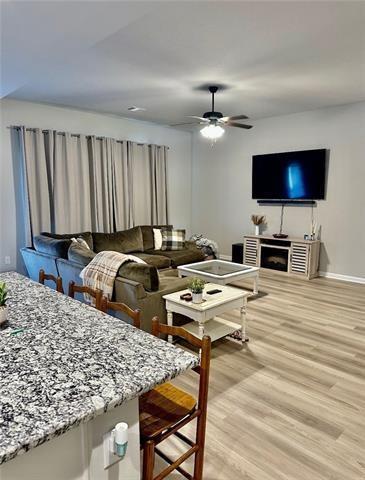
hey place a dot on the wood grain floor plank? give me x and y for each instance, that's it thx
(290, 404)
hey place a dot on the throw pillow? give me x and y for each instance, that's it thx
(126, 241)
(81, 241)
(173, 239)
(80, 254)
(147, 234)
(157, 238)
(87, 236)
(51, 246)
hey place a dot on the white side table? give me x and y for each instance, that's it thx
(204, 315)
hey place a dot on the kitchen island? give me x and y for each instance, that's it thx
(68, 374)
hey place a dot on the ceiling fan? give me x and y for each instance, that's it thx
(214, 121)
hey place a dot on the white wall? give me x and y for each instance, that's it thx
(221, 175)
(44, 116)
(222, 203)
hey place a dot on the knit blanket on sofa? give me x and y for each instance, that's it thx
(207, 246)
(102, 271)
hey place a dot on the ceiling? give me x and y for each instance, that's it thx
(274, 57)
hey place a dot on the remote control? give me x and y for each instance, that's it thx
(212, 292)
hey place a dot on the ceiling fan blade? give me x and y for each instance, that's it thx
(186, 123)
(202, 119)
(237, 117)
(239, 125)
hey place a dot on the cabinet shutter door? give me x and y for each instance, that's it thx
(251, 251)
(299, 258)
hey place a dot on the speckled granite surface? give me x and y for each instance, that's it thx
(70, 364)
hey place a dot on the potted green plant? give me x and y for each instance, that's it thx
(3, 306)
(196, 286)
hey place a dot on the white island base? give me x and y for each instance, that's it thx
(79, 455)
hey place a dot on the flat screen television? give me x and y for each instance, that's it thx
(289, 176)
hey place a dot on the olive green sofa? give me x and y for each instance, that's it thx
(138, 285)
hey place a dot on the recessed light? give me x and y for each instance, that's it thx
(136, 109)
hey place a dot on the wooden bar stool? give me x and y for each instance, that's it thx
(47, 276)
(135, 315)
(96, 293)
(166, 409)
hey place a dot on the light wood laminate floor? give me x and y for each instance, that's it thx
(290, 404)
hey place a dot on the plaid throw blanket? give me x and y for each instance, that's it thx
(102, 270)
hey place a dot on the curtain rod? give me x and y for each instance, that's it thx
(77, 135)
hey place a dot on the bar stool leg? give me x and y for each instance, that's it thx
(148, 460)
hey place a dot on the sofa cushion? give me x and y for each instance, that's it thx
(87, 236)
(79, 253)
(180, 257)
(126, 241)
(173, 239)
(158, 261)
(147, 233)
(51, 246)
(145, 274)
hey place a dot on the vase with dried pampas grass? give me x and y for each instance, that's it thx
(258, 220)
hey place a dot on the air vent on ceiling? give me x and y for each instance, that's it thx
(133, 108)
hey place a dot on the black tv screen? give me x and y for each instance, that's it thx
(289, 175)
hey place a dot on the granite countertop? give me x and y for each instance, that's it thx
(70, 364)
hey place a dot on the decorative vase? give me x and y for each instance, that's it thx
(257, 229)
(3, 314)
(197, 297)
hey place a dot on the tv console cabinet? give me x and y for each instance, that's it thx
(290, 256)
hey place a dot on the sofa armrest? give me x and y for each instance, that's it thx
(142, 273)
(191, 245)
(128, 291)
(34, 261)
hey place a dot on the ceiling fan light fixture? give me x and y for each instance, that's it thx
(213, 132)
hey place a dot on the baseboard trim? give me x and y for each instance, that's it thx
(225, 257)
(344, 278)
(334, 276)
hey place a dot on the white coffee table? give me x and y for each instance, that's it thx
(220, 272)
(205, 315)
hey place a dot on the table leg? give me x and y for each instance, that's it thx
(243, 312)
(170, 324)
(201, 329)
(201, 335)
(256, 285)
